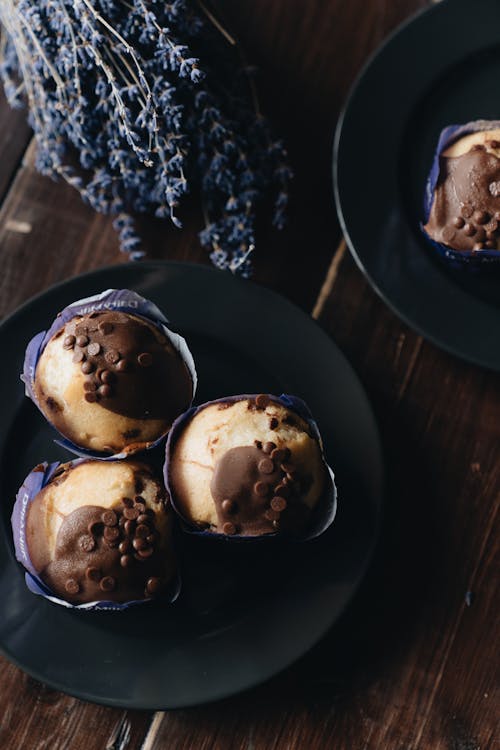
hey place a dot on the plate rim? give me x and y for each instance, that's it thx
(379, 493)
(374, 283)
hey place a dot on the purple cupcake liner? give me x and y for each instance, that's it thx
(123, 300)
(327, 504)
(456, 258)
(32, 485)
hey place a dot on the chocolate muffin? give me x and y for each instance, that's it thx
(101, 531)
(464, 213)
(111, 381)
(247, 466)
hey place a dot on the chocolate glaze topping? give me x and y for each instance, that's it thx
(465, 213)
(257, 490)
(111, 554)
(130, 368)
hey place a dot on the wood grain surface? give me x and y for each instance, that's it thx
(412, 663)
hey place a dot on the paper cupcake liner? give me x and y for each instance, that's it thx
(456, 258)
(327, 506)
(32, 485)
(123, 300)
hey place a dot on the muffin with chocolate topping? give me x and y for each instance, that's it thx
(99, 531)
(247, 466)
(111, 381)
(463, 193)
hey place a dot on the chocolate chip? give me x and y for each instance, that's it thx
(111, 533)
(87, 543)
(266, 466)
(150, 538)
(122, 365)
(261, 401)
(278, 503)
(283, 490)
(128, 502)
(126, 561)
(107, 377)
(105, 391)
(105, 327)
(288, 467)
(91, 397)
(78, 356)
(69, 342)
(273, 423)
(146, 552)
(113, 356)
(458, 222)
(494, 144)
(143, 518)
(269, 447)
(125, 546)
(107, 583)
(481, 217)
(228, 506)
(109, 518)
(142, 531)
(469, 230)
(477, 147)
(154, 586)
(72, 586)
(88, 367)
(95, 528)
(271, 514)
(52, 404)
(229, 528)
(89, 385)
(258, 444)
(82, 341)
(467, 211)
(93, 349)
(131, 513)
(145, 359)
(129, 527)
(139, 544)
(93, 574)
(261, 489)
(139, 503)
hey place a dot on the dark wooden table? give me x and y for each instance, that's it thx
(412, 663)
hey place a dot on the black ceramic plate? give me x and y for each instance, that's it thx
(442, 67)
(246, 611)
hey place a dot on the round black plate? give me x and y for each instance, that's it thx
(442, 67)
(246, 611)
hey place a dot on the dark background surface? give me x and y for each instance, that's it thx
(412, 664)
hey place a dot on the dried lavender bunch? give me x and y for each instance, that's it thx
(133, 102)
